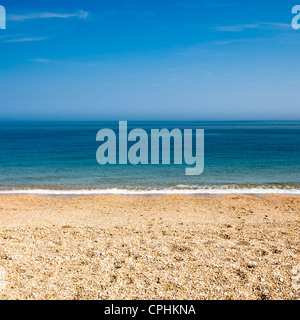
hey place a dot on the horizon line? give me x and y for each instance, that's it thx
(151, 120)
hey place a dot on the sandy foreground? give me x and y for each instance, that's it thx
(171, 247)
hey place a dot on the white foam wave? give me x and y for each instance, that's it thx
(188, 191)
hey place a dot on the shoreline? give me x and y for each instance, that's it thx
(152, 192)
(148, 195)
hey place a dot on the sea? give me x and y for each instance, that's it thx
(59, 158)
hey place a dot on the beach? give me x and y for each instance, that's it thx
(155, 247)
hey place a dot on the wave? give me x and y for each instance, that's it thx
(179, 189)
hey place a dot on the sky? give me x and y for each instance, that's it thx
(149, 60)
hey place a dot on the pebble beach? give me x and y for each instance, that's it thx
(162, 247)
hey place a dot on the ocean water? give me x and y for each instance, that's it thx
(60, 158)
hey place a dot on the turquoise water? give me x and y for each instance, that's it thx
(60, 157)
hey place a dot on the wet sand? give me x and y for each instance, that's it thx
(170, 247)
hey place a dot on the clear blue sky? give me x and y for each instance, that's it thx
(125, 60)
